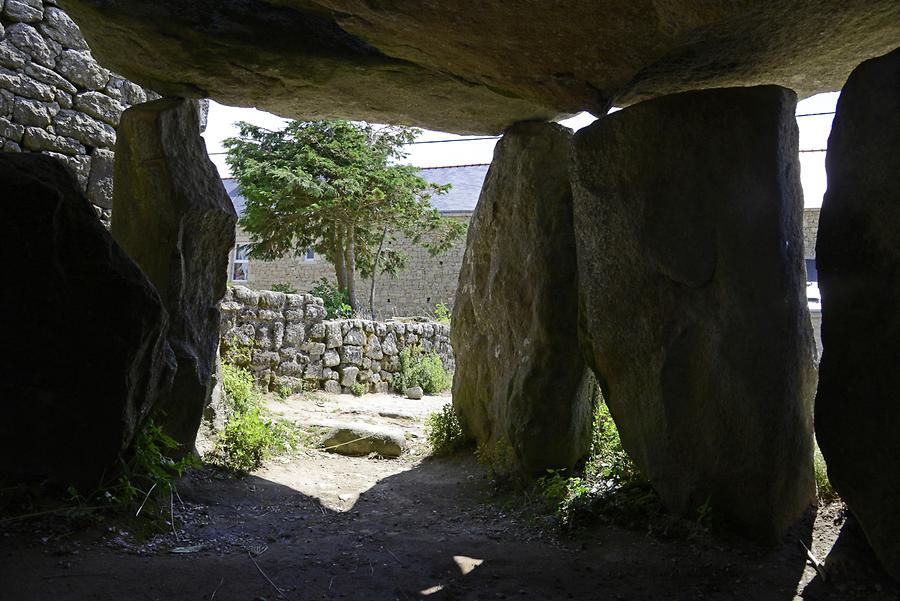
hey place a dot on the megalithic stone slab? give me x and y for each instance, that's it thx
(173, 216)
(520, 382)
(858, 259)
(688, 220)
(84, 331)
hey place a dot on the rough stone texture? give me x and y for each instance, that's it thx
(857, 413)
(414, 392)
(454, 67)
(363, 439)
(107, 359)
(310, 352)
(50, 83)
(174, 218)
(520, 377)
(688, 219)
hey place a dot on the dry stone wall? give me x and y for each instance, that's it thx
(294, 345)
(55, 99)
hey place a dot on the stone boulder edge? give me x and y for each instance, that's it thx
(857, 413)
(688, 219)
(174, 218)
(520, 379)
(89, 328)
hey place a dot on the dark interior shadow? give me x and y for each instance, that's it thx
(425, 533)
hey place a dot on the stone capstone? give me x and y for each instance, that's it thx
(520, 379)
(109, 359)
(694, 318)
(447, 66)
(857, 414)
(174, 218)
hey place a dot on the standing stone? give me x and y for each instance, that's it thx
(84, 328)
(173, 216)
(688, 218)
(520, 379)
(858, 259)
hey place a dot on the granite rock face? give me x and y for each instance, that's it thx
(456, 67)
(520, 379)
(858, 259)
(69, 414)
(174, 218)
(688, 219)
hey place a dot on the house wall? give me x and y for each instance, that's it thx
(426, 281)
(810, 229)
(56, 99)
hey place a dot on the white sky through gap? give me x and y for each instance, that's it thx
(813, 135)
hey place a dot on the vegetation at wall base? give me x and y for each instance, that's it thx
(443, 431)
(358, 389)
(249, 436)
(824, 490)
(421, 369)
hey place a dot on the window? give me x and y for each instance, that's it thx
(811, 274)
(310, 255)
(240, 267)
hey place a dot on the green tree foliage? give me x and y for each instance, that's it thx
(336, 187)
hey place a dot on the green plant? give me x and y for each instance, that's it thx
(443, 431)
(421, 369)
(336, 301)
(824, 489)
(498, 457)
(442, 313)
(283, 287)
(608, 459)
(148, 467)
(245, 441)
(357, 389)
(239, 387)
(236, 353)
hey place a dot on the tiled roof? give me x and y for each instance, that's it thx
(465, 182)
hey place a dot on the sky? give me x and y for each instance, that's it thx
(462, 150)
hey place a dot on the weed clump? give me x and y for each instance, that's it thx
(337, 303)
(443, 431)
(357, 389)
(421, 369)
(824, 489)
(249, 437)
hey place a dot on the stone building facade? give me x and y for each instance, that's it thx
(56, 99)
(426, 281)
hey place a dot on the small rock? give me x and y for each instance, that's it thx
(414, 392)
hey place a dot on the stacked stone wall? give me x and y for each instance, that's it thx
(56, 99)
(292, 344)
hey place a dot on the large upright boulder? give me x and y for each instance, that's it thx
(858, 259)
(688, 219)
(83, 329)
(173, 216)
(520, 381)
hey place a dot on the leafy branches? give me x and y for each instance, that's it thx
(336, 187)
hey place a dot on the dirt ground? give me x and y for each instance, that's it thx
(322, 526)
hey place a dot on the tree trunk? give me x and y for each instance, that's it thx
(340, 263)
(351, 268)
(375, 273)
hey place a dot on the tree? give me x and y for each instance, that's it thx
(335, 187)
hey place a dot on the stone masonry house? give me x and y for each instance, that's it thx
(427, 280)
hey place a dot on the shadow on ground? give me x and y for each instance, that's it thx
(423, 533)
